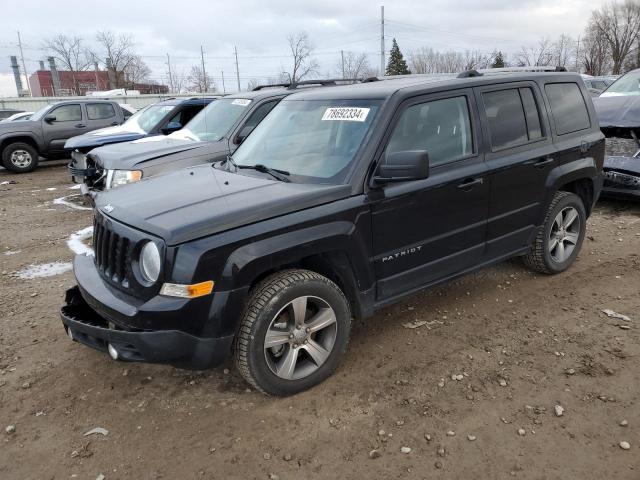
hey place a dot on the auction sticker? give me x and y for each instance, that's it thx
(243, 102)
(346, 114)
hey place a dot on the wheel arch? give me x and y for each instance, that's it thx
(5, 142)
(577, 177)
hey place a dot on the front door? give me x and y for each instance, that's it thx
(69, 122)
(427, 230)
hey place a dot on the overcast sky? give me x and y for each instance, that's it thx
(259, 29)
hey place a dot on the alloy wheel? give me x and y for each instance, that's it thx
(300, 338)
(564, 235)
(21, 158)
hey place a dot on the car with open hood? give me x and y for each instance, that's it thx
(618, 110)
(161, 118)
(211, 135)
(342, 200)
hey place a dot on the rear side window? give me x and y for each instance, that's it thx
(440, 127)
(100, 111)
(568, 107)
(513, 117)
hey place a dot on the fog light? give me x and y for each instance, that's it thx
(70, 333)
(113, 353)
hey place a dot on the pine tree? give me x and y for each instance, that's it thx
(397, 65)
(498, 61)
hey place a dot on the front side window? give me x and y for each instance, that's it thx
(214, 121)
(316, 141)
(67, 113)
(512, 116)
(100, 111)
(568, 107)
(441, 127)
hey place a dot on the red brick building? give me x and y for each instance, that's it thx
(79, 83)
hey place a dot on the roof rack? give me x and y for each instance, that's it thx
(497, 71)
(322, 82)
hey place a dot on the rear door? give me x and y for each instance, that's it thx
(70, 121)
(520, 156)
(427, 230)
(100, 115)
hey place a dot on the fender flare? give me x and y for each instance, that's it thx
(7, 140)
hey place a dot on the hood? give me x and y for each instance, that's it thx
(22, 126)
(618, 111)
(103, 136)
(129, 155)
(196, 202)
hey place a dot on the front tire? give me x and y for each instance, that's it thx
(293, 333)
(559, 239)
(20, 157)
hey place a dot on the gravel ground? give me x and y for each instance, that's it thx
(473, 391)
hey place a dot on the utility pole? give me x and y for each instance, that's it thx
(235, 49)
(170, 76)
(24, 68)
(205, 83)
(382, 62)
(224, 90)
(342, 55)
(577, 53)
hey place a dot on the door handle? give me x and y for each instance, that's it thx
(469, 183)
(544, 162)
(113, 124)
(80, 125)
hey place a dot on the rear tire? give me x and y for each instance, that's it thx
(20, 157)
(559, 239)
(294, 332)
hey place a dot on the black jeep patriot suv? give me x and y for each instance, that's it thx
(342, 200)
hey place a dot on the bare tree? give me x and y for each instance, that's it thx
(354, 65)
(117, 51)
(595, 56)
(251, 84)
(301, 51)
(619, 25)
(71, 54)
(539, 55)
(474, 60)
(137, 71)
(563, 51)
(200, 81)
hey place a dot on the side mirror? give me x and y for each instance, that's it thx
(244, 133)
(171, 127)
(403, 167)
(50, 118)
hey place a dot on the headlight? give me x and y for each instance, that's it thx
(150, 262)
(122, 177)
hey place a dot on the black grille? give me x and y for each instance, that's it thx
(112, 253)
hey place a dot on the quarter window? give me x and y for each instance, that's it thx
(441, 127)
(100, 111)
(67, 113)
(513, 117)
(568, 107)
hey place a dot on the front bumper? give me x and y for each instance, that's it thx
(98, 318)
(622, 178)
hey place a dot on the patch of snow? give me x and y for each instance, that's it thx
(76, 241)
(51, 189)
(74, 187)
(12, 252)
(66, 203)
(44, 270)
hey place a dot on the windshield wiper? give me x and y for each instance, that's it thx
(274, 172)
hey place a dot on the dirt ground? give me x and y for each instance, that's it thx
(519, 343)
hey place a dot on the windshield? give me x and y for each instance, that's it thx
(628, 84)
(214, 121)
(314, 140)
(145, 120)
(40, 113)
